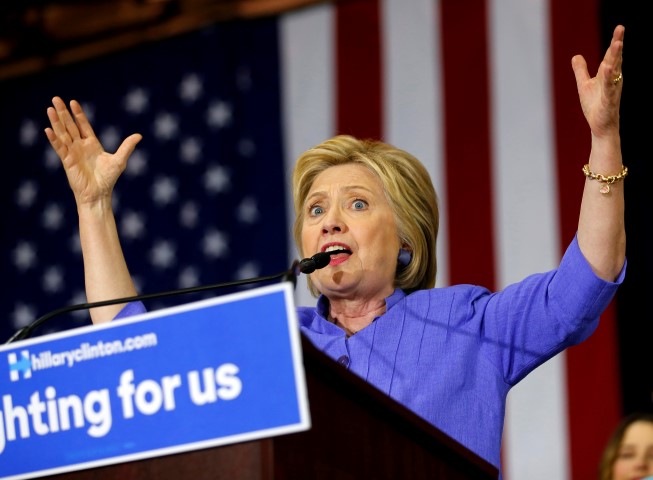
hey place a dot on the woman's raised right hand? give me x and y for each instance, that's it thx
(91, 171)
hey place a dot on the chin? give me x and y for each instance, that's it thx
(332, 288)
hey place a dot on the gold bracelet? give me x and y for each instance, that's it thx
(606, 181)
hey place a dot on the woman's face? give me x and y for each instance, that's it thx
(346, 208)
(635, 456)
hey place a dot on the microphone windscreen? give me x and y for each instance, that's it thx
(307, 265)
(322, 259)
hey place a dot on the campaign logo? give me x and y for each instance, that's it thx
(24, 364)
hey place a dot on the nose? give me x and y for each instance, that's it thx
(333, 222)
(643, 463)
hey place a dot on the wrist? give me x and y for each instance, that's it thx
(610, 141)
(96, 208)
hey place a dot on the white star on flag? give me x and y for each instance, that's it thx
(191, 88)
(28, 133)
(219, 114)
(136, 101)
(26, 194)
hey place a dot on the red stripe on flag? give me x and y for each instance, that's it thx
(358, 66)
(467, 142)
(594, 404)
(594, 401)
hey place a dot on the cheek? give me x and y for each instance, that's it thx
(307, 241)
(391, 244)
(619, 469)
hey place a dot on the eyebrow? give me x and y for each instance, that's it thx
(345, 189)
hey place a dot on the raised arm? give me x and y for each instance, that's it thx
(92, 174)
(601, 233)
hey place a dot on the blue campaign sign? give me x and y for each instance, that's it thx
(203, 374)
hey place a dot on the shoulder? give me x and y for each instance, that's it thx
(465, 293)
(461, 302)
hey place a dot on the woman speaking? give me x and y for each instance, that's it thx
(449, 354)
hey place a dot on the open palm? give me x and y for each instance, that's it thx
(92, 172)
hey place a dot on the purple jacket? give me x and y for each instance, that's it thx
(452, 354)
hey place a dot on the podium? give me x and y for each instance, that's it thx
(357, 433)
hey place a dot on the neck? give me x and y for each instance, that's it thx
(353, 316)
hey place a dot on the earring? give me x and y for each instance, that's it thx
(404, 257)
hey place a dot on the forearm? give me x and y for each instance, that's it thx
(105, 269)
(601, 232)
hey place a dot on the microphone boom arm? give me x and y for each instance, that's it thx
(306, 266)
(288, 275)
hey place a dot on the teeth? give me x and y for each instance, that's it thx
(335, 248)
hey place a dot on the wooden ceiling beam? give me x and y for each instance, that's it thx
(53, 33)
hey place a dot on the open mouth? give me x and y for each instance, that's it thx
(339, 253)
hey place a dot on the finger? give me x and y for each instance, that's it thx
(58, 103)
(618, 40)
(619, 33)
(612, 61)
(59, 147)
(58, 127)
(579, 65)
(610, 70)
(127, 147)
(85, 128)
(52, 137)
(67, 119)
(613, 56)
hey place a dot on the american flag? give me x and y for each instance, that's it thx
(202, 199)
(482, 92)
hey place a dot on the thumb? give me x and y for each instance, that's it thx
(579, 65)
(128, 145)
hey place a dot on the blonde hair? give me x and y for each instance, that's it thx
(407, 187)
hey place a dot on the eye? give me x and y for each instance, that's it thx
(315, 210)
(359, 204)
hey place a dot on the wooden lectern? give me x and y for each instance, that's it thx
(357, 433)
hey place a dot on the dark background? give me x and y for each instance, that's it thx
(635, 312)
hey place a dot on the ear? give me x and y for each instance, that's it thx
(405, 255)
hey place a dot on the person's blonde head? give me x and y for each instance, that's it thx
(612, 448)
(407, 186)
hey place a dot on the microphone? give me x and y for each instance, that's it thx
(307, 265)
(317, 261)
